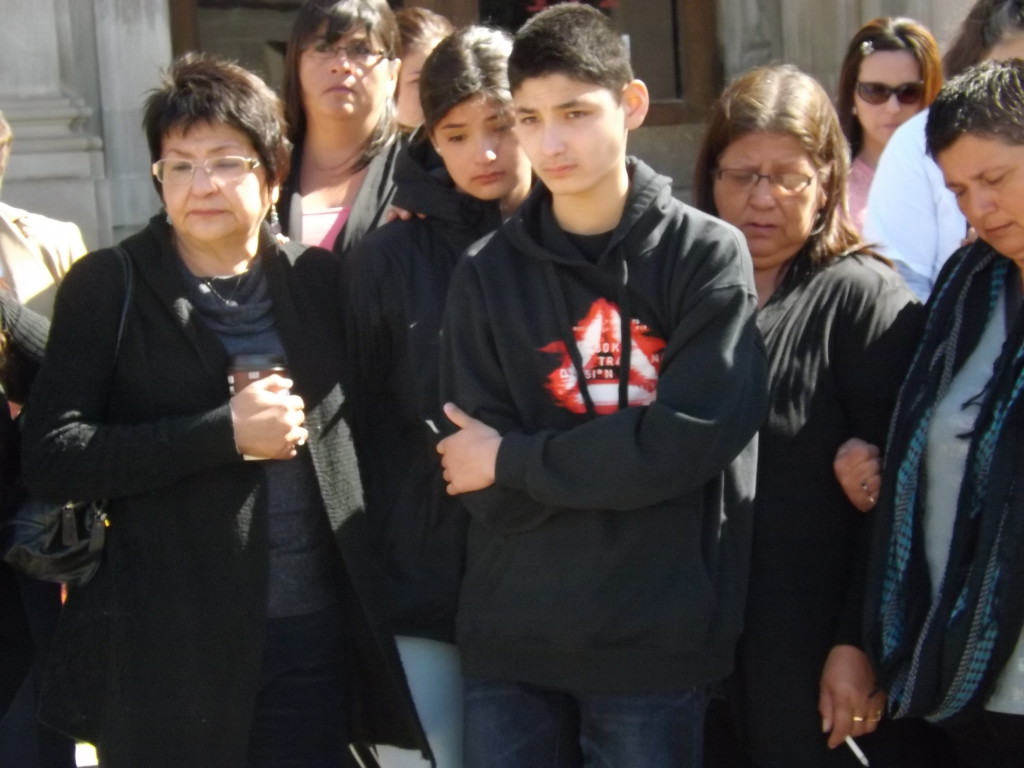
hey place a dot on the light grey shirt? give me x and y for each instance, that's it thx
(948, 442)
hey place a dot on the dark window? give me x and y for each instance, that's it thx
(673, 46)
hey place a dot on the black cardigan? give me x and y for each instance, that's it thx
(24, 333)
(157, 659)
(397, 281)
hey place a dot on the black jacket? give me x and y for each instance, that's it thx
(397, 284)
(839, 340)
(368, 209)
(611, 553)
(24, 339)
(157, 659)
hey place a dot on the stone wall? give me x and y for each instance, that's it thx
(76, 71)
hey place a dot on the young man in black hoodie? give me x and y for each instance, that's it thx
(602, 350)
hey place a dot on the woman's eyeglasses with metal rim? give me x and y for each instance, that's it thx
(361, 53)
(786, 183)
(177, 171)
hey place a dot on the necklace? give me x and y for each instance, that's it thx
(230, 299)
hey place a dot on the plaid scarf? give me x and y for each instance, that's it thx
(940, 659)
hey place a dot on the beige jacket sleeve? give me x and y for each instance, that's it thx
(35, 254)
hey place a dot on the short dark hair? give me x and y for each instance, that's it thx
(782, 99)
(333, 19)
(986, 100)
(470, 62)
(573, 40)
(885, 34)
(198, 88)
(988, 23)
(419, 26)
(6, 139)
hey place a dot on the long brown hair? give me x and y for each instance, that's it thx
(781, 99)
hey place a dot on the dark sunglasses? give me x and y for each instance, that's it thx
(879, 93)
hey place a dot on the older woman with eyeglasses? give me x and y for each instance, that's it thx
(341, 72)
(839, 326)
(231, 621)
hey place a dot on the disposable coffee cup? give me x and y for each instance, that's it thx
(243, 370)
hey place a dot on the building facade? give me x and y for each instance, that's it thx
(75, 73)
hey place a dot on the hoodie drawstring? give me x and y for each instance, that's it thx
(569, 337)
(625, 332)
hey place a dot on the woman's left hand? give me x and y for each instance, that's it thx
(849, 699)
(858, 468)
(268, 419)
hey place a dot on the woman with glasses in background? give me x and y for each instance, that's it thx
(839, 326)
(890, 73)
(341, 71)
(232, 620)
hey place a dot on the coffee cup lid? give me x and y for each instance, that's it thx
(256, 362)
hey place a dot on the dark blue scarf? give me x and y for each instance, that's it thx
(940, 659)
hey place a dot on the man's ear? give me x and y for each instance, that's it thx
(636, 101)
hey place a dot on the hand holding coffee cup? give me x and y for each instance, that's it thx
(267, 418)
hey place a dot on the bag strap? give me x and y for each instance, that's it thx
(129, 289)
(96, 540)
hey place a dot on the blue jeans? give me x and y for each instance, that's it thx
(435, 681)
(515, 725)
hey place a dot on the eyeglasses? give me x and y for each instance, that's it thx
(175, 171)
(361, 53)
(739, 180)
(879, 93)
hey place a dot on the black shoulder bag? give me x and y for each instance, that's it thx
(62, 542)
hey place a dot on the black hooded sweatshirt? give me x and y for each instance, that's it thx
(611, 554)
(398, 279)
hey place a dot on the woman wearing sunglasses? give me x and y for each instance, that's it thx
(890, 73)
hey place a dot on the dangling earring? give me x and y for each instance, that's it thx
(167, 218)
(275, 222)
(819, 225)
(854, 110)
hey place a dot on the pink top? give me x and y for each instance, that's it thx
(322, 227)
(857, 190)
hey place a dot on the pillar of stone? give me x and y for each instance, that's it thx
(133, 45)
(56, 165)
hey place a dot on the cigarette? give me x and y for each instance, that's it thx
(857, 751)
